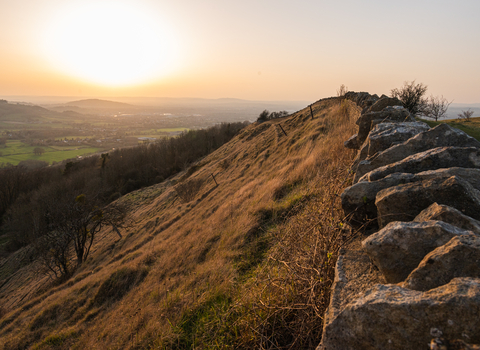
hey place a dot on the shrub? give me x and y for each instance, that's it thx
(266, 115)
(187, 190)
(412, 96)
(466, 114)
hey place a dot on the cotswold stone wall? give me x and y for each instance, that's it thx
(411, 277)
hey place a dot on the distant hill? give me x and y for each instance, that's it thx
(22, 112)
(97, 103)
(94, 107)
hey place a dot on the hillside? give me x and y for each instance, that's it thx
(96, 103)
(94, 106)
(23, 113)
(245, 263)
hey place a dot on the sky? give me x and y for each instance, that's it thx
(250, 49)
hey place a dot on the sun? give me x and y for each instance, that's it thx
(110, 43)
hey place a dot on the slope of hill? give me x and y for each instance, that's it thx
(96, 103)
(94, 106)
(23, 113)
(237, 251)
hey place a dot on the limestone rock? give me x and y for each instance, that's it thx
(384, 102)
(449, 215)
(471, 175)
(460, 257)
(351, 143)
(384, 135)
(405, 202)
(394, 318)
(362, 99)
(358, 201)
(442, 135)
(399, 247)
(437, 158)
(389, 114)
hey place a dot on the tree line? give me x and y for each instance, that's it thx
(59, 209)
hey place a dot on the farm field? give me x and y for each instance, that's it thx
(17, 151)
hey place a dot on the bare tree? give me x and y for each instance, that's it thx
(79, 221)
(437, 107)
(411, 95)
(62, 225)
(466, 115)
(342, 90)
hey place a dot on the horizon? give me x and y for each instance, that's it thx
(251, 51)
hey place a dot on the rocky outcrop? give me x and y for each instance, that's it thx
(405, 202)
(449, 215)
(383, 103)
(459, 257)
(437, 158)
(442, 135)
(367, 121)
(358, 201)
(399, 247)
(417, 190)
(392, 317)
(362, 99)
(385, 135)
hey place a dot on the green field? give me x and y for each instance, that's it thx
(16, 151)
(471, 127)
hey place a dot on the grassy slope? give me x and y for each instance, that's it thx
(224, 269)
(471, 127)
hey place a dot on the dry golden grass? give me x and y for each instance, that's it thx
(247, 263)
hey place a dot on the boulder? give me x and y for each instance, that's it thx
(405, 202)
(460, 257)
(384, 102)
(399, 247)
(449, 215)
(358, 201)
(384, 135)
(351, 143)
(389, 114)
(437, 158)
(394, 318)
(442, 135)
(362, 99)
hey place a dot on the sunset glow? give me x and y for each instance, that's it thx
(109, 44)
(256, 50)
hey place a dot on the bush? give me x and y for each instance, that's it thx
(412, 96)
(466, 114)
(266, 115)
(188, 189)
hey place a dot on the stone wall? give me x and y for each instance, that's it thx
(411, 277)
